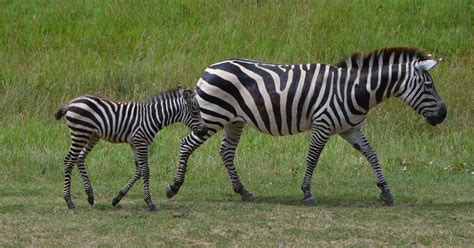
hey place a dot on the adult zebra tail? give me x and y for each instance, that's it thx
(61, 112)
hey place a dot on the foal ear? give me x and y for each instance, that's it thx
(426, 65)
(188, 95)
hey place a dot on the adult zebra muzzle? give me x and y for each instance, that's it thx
(438, 116)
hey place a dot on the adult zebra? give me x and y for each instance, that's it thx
(91, 118)
(326, 99)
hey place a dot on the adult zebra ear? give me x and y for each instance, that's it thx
(426, 65)
(188, 95)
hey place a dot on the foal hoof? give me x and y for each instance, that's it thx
(310, 201)
(90, 199)
(170, 192)
(386, 197)
(152, 207)
(247, 196)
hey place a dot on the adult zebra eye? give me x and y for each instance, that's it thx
(429, 85)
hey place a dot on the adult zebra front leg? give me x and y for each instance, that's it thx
(230, 141)
(188, 145)
(319, 138)
(357, 139)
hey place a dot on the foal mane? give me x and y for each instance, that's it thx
(360, 60)
(165, 95)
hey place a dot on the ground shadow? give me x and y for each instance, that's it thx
(347, 201)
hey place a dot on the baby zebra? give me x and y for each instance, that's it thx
(91, 118)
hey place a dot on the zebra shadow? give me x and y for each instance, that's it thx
(294, 200)
(133, 206)
(323, 201)
(362, 202)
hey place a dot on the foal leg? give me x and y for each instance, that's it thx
(129, 185)
(141, 156)
(357, 139)
(69, 161)
(230, 141)
(81, 166)
(145, 172)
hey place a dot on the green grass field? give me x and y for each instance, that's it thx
(52, 51)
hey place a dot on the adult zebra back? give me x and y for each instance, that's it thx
(91, 118)
(326, 99)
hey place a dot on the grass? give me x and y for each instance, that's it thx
(433, 200)
(52, 51)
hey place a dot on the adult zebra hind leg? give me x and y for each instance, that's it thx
(69, 161)
(188, 145)
(357, 139)
(318, 140)
(82, 168)
(129, 185)
(230, 141)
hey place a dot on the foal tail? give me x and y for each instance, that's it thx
(60, 113)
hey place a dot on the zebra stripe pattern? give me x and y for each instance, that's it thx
(91, 118)
(326, 99)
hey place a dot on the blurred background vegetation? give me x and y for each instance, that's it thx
(52, 51)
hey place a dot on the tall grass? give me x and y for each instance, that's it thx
(52, 51)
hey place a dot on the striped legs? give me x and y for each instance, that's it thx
(82, 168)
(318, 140)
(188, 145)
(229, 144)
(69, 161)
(140, 154)
(357, 139)
(129, 185)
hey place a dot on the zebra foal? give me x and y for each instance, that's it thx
(279, 100)
(91, 118)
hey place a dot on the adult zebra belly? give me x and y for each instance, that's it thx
(274, 114)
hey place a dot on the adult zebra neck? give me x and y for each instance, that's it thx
(377, 76)
(367, 87)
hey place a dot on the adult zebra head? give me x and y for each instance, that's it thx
(401, 72)
(420, 93)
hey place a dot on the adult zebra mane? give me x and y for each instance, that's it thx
(359, 60)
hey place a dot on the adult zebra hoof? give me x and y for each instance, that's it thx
(70, 205)
(170, 192)
(310, 201)
(152, 207)
(386, 197)
(115, 201)
(90, 199)
(247, 196)
(118, 197)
